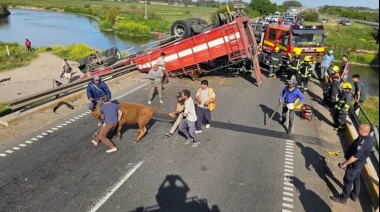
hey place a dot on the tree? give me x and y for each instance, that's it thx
(111, 15)
(264, 7)
(288, 4)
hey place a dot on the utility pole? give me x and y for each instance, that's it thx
(146, 9)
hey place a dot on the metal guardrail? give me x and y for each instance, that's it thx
(20, 103)
(376, 25)
(374, 133)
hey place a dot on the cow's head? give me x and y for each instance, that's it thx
(96, 113)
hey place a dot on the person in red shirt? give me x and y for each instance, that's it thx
(28, 45)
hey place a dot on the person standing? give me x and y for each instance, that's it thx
(344, 69)
(187, 125)
(327, 62)
(96, 89)
(288, 97)
(161, 65)
(28, 45)
(155, 76)
(206, 103)
(66, 70)
(274, 63)
(342, 107)
(178, 113)
(295, 66)
(360, 93)
(304, 74)
(111, 114)
(356, 158)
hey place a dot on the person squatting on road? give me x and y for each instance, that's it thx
(28, 45)
(155, 76)
(295, 66)
(161, 65)
(330, 94)
(342, 107)
(187, 125)
(111, 114)
(327, 62)
(304, 74)
(178, 113)
(344, 68)
(96, 89)
(356, 158)
(288, 97)
(66, 70)
(360, 93)
(274, 63)
(205, 104)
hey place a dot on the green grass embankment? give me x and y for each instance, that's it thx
(18, 56)
(371, 107)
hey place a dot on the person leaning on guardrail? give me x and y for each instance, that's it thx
(96, 89)
(356, 157)
(360, 93)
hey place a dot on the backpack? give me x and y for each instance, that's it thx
(211, 105)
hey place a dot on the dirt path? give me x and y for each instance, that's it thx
(33, 78)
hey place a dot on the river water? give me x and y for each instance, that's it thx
(45, 28)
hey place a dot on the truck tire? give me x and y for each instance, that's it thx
(83, 64)
(113, 52)
(181, 28)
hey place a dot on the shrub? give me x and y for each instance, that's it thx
(132, 29)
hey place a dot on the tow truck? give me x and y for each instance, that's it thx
(309, 40)
(193, 48)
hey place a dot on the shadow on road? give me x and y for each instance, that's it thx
(309, 199)
(317, 161)
(172, 197)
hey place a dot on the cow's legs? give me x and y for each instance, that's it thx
(118, 133)
(141, 134)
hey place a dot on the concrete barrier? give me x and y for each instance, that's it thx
(368, 173)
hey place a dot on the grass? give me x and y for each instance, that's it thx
(371, 107)
(4, 106)
(18, 56)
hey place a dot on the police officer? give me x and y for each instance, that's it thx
(342, 106)
(295, 65)
(288, 97)
(274, 63)
(304, 74)
(356, 157)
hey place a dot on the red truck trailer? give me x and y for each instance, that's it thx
(231, 44)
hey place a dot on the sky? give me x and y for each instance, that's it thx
(374, 4)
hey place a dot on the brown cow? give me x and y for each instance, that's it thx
(132, 114)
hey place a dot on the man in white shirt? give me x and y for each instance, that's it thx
(187, 125)
(161, 65)
(206, 103)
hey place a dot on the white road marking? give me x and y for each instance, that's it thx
(16, 148)
(288, 162)
(288, 188)
(288, 170)
(287, 194)
(22, 145)
(83, 114)
(63, 124)
(34, 139)
(49, 131)
(287, 199)
(39, 136)
(72, 120)
(76, 118)
(288, 152)
(289, 159)
(289, 141)
(44, 134)
(289, 156)
(54, 128)
(284, 210)
(9, 151)
(28, 142)
(115, 187)
(289, 167)
(135, 89)
(69, 122)
(80, 116)
(3, 155)
(287, 205)
(288, 184)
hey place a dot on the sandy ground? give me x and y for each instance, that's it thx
(34, 78)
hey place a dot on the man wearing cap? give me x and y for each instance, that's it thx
(288, 97)
(177, 113)
(327, 61)
(96, 89)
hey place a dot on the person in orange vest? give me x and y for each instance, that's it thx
(206, 103)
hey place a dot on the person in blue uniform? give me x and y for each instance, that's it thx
(356, 157)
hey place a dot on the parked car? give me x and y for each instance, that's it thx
(323, 20)
(345, 22)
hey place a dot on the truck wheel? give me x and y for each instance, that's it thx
(113, 52)
(181, 28)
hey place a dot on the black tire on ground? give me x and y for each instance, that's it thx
(181, 28)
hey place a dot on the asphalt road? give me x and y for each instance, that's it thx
(240, 165)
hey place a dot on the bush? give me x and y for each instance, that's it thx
(132, 29)
(18, 56)
(310, 16)
(73, 52)
(104, 24)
